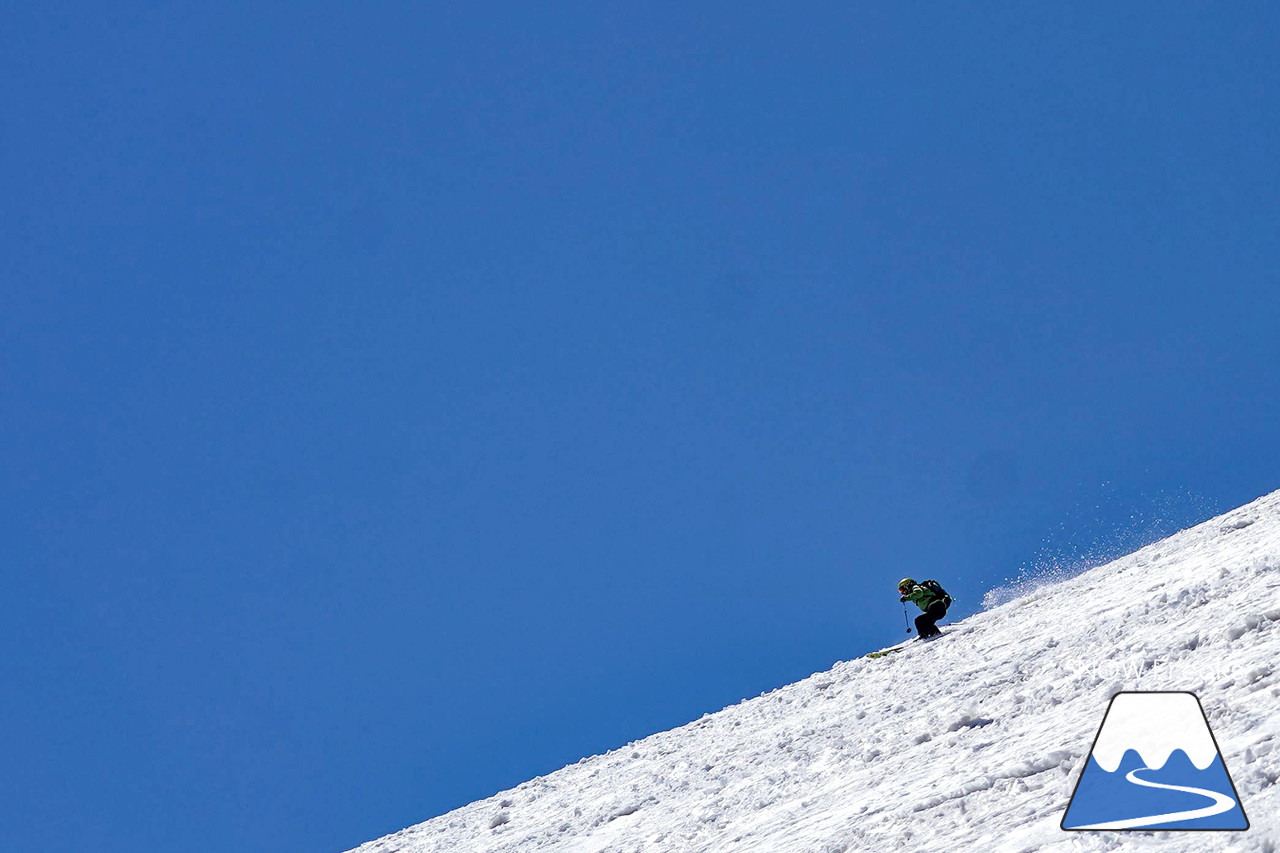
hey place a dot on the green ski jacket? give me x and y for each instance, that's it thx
(922, 596)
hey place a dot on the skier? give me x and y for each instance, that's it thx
(931, 598)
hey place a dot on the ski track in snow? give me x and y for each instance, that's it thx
(1221, 803)
(971, 743)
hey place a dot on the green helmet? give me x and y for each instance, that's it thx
(905, 585)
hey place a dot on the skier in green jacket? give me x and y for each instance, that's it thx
(930, 597)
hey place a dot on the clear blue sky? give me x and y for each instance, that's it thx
(401, 402)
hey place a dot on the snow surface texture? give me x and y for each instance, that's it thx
(973, 742)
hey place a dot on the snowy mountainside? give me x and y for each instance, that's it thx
(970, 742)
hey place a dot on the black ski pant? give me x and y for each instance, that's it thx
(927, 622)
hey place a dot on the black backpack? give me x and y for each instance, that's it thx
(936, 588)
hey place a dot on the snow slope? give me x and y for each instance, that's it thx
(972, 742)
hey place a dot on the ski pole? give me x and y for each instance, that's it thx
(905, 618)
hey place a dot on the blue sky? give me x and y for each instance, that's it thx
(400, 402)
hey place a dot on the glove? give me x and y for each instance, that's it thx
(903, 599)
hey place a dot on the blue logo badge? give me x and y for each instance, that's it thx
(1155, 765)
